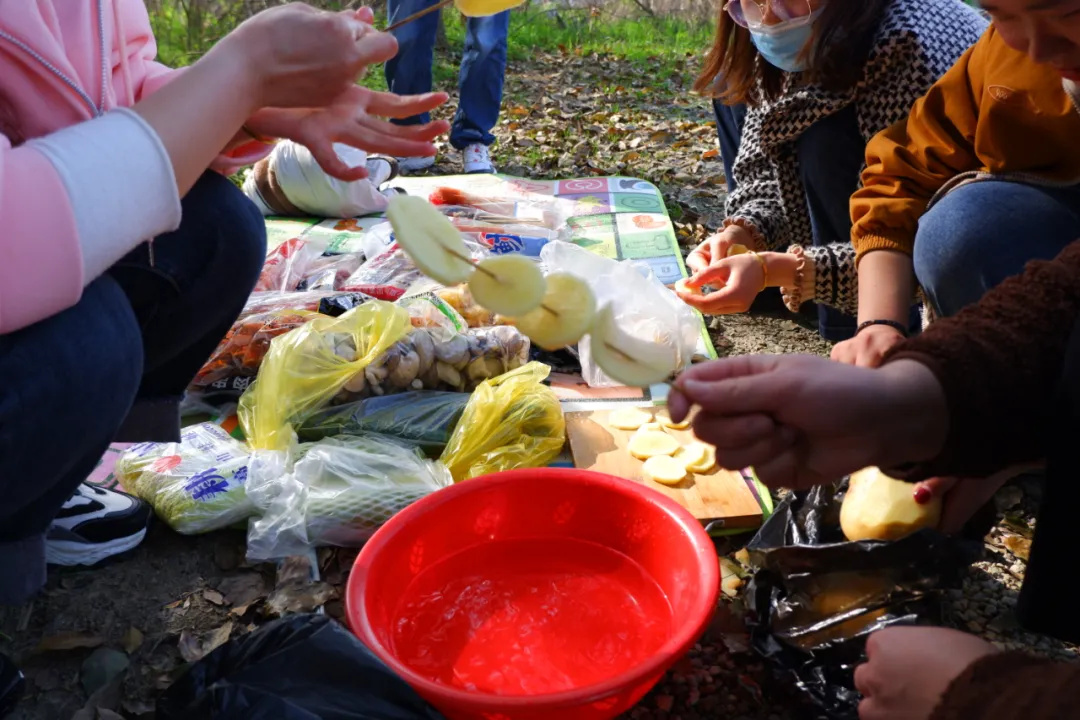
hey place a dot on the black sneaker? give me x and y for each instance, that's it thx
(96, 524)
(12, 684)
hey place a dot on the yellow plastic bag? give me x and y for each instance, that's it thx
(511, 421)
(308, 366)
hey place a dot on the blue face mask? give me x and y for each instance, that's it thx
(782, 45)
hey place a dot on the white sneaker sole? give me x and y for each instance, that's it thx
(69, 554)
(415, 164)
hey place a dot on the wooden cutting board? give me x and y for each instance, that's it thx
(720, 497)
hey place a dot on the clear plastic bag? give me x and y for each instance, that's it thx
(329, 272)
(511, 421)
(435, 359)
(287, 265)
(424, 418)
(196, 485)
(327, 302)
(644, 307)
(242, 351)
(307, 367)
(338, 492)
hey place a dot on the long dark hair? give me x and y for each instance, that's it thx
(842, 39)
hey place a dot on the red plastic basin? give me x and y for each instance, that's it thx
(535, 594)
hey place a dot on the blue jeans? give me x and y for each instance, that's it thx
(115, 366)
(830, 154)
(480, 81)
(980, 234)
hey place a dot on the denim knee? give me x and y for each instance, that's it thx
(234, 226)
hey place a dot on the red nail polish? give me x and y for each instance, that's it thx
(923, 495)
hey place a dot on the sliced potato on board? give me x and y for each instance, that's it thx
(644, 445)
(630, 418)
(664, 469)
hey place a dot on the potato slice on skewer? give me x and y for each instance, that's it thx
(568, 311)
(508, 285)
(664, 470)
(626, 359)
(429, 239)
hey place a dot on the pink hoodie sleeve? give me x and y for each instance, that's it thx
(40, 259)
(72, 204)
(147, 76)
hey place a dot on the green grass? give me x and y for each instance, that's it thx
(183, 36)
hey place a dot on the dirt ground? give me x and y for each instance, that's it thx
(105, 642)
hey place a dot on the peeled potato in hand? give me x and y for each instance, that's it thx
(878, 507)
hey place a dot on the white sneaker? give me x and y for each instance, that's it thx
(414, 164)
(95, 524)
(477, 159)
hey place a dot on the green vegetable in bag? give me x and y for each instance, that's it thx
(424, 418)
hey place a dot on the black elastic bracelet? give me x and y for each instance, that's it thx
(898, 327)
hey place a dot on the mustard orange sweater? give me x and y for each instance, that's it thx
(996, 111)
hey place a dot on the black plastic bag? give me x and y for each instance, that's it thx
(816, 597)
(424, 419)
(302, 667)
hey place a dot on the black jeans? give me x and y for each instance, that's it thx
(830, 155)
(115, 366)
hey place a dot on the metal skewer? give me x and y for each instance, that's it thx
(491, 275)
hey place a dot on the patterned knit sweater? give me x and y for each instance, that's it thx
(917, 41)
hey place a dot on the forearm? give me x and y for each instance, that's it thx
(999, 362)
(200, 112)
(821, 274)
(1012, 686)
(886, 286)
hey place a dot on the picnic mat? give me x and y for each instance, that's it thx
(617, 217)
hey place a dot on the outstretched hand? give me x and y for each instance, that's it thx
(801, 420)
(355, 119)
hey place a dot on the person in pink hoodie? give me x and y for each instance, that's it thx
(125, 252)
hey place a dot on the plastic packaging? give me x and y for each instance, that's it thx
(326, 302)
(815, 597)
(242, 351)
(460, 298)
(425, 419)
(644, 307)
(302, 667)
(287, 265)
(337, 491)
(432, 359)
(391, 274)
(511, 421)
(196, 485)
(306, 368)
(330, 272)
(387, 276)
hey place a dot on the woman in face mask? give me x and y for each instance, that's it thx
(799, 87)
